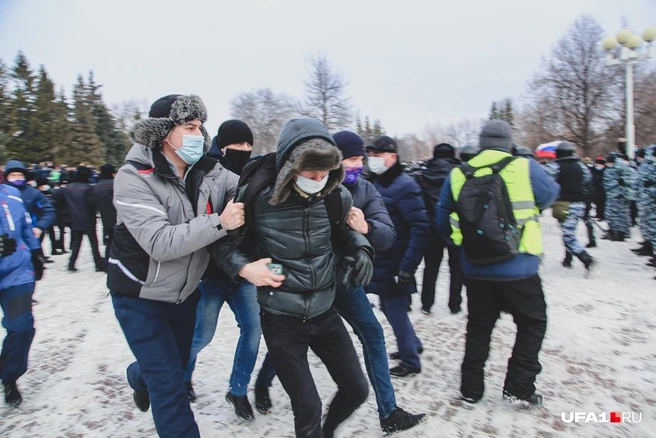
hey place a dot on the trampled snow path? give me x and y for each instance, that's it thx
(599, 355)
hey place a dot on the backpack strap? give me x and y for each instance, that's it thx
(333, 201)
(468, 170)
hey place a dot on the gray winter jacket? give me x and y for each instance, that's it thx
(158, 250)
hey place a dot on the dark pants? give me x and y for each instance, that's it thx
(432, 260)
(396, 312)
(76, 242)
(53, 238)
(16, 305)
(159, 335)
(288, 339)
(524, 300)
(354, 306)
(600, 206)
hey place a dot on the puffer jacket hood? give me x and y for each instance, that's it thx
(296, 153)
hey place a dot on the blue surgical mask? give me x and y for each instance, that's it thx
(192, 148)
(311, 186)
(377, 165)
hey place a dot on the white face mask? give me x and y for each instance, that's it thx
(311, 186)
(377, 165)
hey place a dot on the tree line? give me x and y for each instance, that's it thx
(38, 122)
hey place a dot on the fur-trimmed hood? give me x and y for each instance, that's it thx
(305, 144)
(151, 132)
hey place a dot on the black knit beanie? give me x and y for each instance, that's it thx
(350, 143)
(233, 131)
(444, 150)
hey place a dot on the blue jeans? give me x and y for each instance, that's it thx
(159, 335)
(242, 299)
(396, 312)
(16, 302)
(354, 306)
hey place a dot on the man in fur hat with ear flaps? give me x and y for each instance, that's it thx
(171, 202)
(293, 229)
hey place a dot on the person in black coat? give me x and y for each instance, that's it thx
(83, 217)
(63, 216)
(394, 268)
(103, 194)
(431, 181)
(599, 193)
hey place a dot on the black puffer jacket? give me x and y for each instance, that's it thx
(295, 231)
(103, 195)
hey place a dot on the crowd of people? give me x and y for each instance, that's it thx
(293, 241)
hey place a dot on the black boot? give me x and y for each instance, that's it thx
(400, 420)
(586, 259)
(141, 400)
(568, 260)
(620, 236)
(532, 401)
(242, 407)
(262, 400)
(610, 235)
(641, 247)
(647, 250)
(12, 395)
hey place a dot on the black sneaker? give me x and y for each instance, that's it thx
(141, 400)
(425, 311)
(12, 395)
(191, 394)
(586, 259)
(72, 269)
(400, 420)
(534, 400)
(262, 400)
(397, 356)
(402, 371)
(242, 406)
(592, 244)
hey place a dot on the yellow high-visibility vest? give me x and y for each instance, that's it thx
(518, 181)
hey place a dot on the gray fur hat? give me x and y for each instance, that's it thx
(165, 114)
(496, 134)
(312, 154)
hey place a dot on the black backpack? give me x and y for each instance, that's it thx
(487, 222)
(260, 173)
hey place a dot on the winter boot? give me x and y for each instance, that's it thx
(141, 400)
(646, 251)
(620, 236)
(568, 260)
(12, 395)
(262, 400)
(242, 406)
(400, 420)
(641, 247)
(610, 235)
(586, 259)
(534, 400)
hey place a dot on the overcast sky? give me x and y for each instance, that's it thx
(409, 62)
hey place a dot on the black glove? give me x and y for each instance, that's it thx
(405, 279)
(38, 260)
(359, 269)
(621, 182)
(7, 245)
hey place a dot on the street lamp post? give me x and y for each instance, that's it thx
(627, 48)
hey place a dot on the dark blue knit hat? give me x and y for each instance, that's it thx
(350, 143)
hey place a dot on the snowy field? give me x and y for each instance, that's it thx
(599, 356)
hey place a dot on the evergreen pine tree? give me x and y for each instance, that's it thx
(5, 111)
(85, 146)
(367, 128)
(508, 113)
(114, 144)
(21, 109)
(494, 112)
(43, 127)
(378, 129)
(62, 128)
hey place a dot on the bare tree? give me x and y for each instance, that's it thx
(325, 96)
(265, 112)
(462, 133)
(576, 87)
(128, 112)
(412, 148)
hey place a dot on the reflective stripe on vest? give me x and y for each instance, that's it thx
(518, 181)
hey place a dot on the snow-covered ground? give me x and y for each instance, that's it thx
(599, 356)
